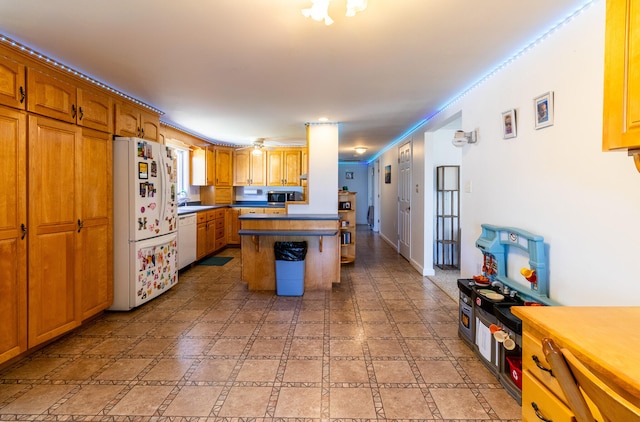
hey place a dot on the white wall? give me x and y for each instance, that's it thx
(358, 184)
(389, 197)
(555, 182)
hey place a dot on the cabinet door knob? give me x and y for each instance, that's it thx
(80, 225)
(22, 94)
(23, 229)
(81, 113)
(73, 111)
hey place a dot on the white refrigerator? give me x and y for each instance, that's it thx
(145, 219)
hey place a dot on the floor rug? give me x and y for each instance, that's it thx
(216, 261)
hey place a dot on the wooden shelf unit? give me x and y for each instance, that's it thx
(347, 226)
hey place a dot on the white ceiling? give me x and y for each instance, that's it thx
(237, 70)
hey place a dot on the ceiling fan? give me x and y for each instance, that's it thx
(258, 146)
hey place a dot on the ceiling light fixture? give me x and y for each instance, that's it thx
(319, 10)
(360, 150)
(257, 150)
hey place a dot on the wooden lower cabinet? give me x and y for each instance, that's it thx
(211, 232)
(13, 245)
(233, 225)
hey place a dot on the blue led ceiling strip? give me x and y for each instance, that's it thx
(74, 72)
(498, 68)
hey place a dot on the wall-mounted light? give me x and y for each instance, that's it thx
(360, 150)
(461, 138)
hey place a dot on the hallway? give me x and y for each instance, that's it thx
(381, 345)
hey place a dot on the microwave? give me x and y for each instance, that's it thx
(280, 197)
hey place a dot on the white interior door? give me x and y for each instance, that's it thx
(404, 200)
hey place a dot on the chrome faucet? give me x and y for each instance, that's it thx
(182, 198)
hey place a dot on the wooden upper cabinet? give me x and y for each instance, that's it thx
(621, 120)
(202, 167)
(135, 122)
(63, 101)
(12, 84)
(13, 240)
(249, 169)
(283, 167)
(51, 97)
(210, 167)
(94, 110)
(224, 166)
(150, 125)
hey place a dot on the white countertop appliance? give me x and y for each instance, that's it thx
(145, 221)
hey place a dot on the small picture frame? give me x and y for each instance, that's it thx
(543, 110)
(143, 170)
(509, 126)
(387, 174)
(349, 175)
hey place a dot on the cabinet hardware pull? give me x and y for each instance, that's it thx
(23, 228)
(80, 225)
(142, 132)
(539, 365)
(538, 414)
(81, 112)
(22, 94)
(73, 111)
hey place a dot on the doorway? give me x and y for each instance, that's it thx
(404, 200)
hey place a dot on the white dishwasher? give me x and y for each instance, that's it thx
(187, 233)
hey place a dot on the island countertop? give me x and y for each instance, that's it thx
(290, 217)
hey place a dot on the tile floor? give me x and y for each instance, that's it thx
(382, 345)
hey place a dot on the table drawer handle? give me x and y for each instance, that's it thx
(538, 414)
(539, 365)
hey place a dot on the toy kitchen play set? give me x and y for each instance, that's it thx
(486, 323)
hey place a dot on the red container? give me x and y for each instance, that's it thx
(515, 369)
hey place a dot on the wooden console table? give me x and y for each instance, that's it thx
(603, 338)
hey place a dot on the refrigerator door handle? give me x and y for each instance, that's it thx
(163, 181)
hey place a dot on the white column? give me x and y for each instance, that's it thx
(322, 179)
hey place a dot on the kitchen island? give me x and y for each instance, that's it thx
(259, 232)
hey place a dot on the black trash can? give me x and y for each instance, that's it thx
(290, 267)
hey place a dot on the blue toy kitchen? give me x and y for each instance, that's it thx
(486, 323)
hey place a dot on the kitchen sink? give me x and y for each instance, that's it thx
(193, 208)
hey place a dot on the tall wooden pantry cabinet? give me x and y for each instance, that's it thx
(56, 245)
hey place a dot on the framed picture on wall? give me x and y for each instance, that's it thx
(349, 175)
(509, 129)
(543, 109)
(387, 174)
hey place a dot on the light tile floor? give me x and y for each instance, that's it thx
(381, 345)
